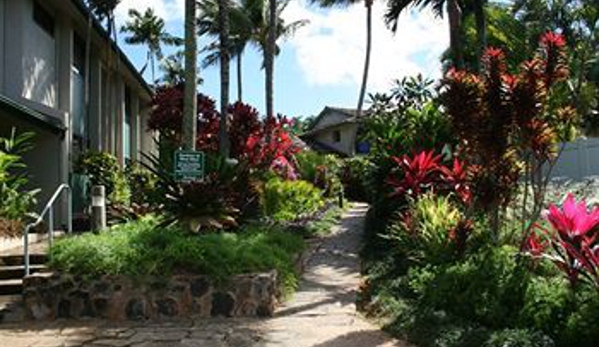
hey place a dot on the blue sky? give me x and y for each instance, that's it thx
(322, 64)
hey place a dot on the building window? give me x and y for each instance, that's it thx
(43, 18)
(127, 149)
(336, 136)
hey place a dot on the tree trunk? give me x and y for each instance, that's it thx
(270, 58)
(190, 97)
(368, 4)
(225, 64)
(239, 78)
(367, 60)
(481, 29)
(152, 61)
(455, 28)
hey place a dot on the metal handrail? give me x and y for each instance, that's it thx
(49, 209)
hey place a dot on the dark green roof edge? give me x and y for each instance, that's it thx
(85, 12)
(33, 115)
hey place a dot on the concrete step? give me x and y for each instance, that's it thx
(11, 286)
(18, 259)
(18, 271)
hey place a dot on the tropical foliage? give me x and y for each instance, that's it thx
(16, 201)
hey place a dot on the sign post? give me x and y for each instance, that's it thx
(189, 166)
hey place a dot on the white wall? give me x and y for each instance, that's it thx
(345, 145)
(332, 117)
(579, 159)
(39, 61)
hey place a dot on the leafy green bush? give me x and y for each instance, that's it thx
(323, 171)
(102, 168)
(289, 200)
(426, 235)
(141, 182)
(487, 287)
(16, 201)
(141, 248)
(355, 176)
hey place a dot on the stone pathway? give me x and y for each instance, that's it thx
(321, 314)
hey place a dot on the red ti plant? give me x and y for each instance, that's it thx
(573, 239)
(424, 172)
(420, 173)
(272, 147)
(503, 120)
(457, 180)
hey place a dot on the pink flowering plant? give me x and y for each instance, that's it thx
(571, 242)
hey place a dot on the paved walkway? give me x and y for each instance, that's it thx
(321, 314)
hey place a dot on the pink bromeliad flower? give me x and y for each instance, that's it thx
(573, 220)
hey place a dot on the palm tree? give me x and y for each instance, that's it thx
(269, 27)
(250, 23)
(190, 104)
(225, 59)
(368, 5)
(269, 58)
(454, 14)
(148, 29)
(240, 34)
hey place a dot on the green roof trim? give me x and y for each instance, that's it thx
(32, 115)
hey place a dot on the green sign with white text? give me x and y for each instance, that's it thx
(189, 166)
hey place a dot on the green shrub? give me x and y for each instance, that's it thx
(355, 176)
(425, 236)
(323, 171)
(288, 200)
(518, 338)
(141, 248)
(16, 201)
(487, 288)
(102, 168)
(141, 182)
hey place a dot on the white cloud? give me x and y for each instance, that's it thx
(331, 49)
(169, 10)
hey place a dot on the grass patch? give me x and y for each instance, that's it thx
(140, 249)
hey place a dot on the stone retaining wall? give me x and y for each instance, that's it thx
(52, 296)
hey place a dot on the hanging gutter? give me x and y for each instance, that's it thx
(35, 117)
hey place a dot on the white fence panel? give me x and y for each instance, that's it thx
(579, 159)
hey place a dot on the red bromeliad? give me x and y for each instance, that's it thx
(573, 240)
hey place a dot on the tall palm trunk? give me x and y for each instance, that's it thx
(239, 77)
(225, 59)
(153, 63)
(481, 28)
(368, 4)
(190, 97)
(455, 28)
(270, 58)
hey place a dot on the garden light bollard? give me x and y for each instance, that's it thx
(98, 208)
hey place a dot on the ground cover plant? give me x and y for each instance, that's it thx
(16, 201)
(285, 200)
(143, 248)
(457, 250)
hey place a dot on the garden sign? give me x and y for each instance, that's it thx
(189, 166)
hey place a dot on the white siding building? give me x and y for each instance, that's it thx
(43, 81)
